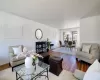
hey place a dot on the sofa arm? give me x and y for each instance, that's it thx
(79, 74)
(96, 55)
(12, 54)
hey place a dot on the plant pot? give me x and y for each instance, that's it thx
(47, 50)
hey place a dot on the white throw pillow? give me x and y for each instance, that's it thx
(94, 69)
(17, 50)
(86, 48)
(92, 76)
(25, 49)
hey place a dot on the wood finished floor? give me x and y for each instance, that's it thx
(5, 66)
(69, 63)
(83, 66)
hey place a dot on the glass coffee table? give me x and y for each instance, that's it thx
(39, 70)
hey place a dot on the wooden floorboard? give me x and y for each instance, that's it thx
(5, 66)
(70, 62)
(83, 66)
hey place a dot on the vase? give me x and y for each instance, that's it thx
(29, 71)
(28, 62)
(37, 61)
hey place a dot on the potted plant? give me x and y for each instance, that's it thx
(48, 45)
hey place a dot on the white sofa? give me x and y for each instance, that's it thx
(94, 53)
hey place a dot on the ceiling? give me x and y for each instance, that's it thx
(52, 12)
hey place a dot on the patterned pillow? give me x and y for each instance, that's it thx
(86, 48)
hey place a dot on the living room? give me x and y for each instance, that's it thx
(49, 21)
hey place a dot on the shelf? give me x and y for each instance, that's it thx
(41, 47)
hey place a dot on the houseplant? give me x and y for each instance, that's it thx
(48, 45)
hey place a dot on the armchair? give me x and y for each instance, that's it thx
(14, 61)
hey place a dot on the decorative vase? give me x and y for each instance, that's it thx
(28, 62)
(29, 71)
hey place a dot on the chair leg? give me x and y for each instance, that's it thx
(9, 64)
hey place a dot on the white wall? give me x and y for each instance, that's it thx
(90, 30)
(71, 24)
(16, 30)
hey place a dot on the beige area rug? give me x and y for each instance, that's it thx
(7, 74)
(65, 50)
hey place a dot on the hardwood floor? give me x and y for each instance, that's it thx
(5, 66)
(83, 66)
(69, 62)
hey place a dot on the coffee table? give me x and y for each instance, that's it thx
(23, 73)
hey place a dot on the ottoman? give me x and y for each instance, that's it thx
(45, 58)
(55, 65)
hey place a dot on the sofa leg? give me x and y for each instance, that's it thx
(12, 69)
(79, 59)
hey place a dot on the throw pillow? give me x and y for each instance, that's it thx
(92, 76)
(79, 74)
(25, 49)
(93, 70)
(17, 50)
(86, 48)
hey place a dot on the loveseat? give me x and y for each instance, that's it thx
(89, 55)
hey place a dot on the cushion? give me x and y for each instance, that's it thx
(25, 49)
(79, 74)
(86, 48)
(93, 70)
(92, 76)
(15, 58)
(95, 46)
(17, 50)
(95, 50)
(66, 75)
(84, 54)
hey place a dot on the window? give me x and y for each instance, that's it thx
(70, 36)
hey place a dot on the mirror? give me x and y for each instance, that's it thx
(38, 34)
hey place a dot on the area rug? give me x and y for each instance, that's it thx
(65, 50)
(7, 74)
